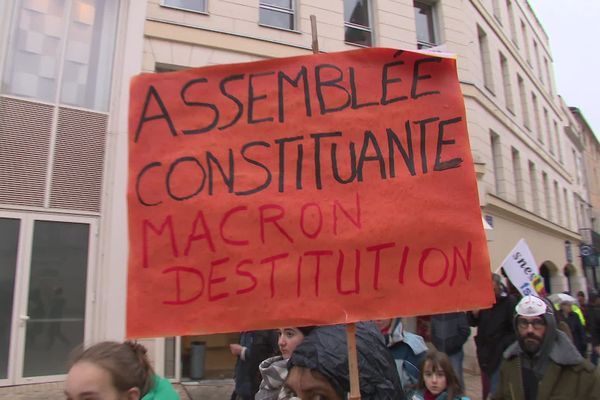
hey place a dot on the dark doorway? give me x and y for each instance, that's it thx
(545, 272)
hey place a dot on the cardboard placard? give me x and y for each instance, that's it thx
(319, 189)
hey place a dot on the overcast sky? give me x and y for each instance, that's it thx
(573, 27)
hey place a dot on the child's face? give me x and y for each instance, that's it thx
(435, 382)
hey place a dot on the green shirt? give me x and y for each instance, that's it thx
(161, 390)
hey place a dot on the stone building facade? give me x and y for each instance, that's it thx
(65, 71)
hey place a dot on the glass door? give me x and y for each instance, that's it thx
(54, 323)
(9, 241)
(44, 277)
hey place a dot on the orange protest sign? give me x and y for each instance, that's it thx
(319, 189)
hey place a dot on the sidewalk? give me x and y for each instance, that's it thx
(472, 385)
(202, 390)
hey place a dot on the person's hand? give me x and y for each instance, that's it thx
(235, 349)
(597, 350)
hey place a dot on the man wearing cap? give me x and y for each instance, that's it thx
(543, 363)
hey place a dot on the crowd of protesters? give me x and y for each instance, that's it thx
(527, 348)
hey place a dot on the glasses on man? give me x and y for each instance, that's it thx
(536, 323)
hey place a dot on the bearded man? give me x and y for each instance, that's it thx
(543, 363)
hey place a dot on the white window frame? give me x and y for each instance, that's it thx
(485, 54)
(362, 27)
(496, 11)
(534, 184)
(526, 117)
(506, 84)
(511, 21)
(163, 3)
(291, 11)
(57, 98)
(21, 289)
(497, 164)
(435, 21)
(518, 176)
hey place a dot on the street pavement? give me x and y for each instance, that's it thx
(202, 390)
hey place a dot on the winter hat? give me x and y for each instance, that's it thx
(325, 350)
(531, 306)
(306, 329)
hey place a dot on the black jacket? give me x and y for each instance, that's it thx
(259, 345)
(495, 332)
(594, 324)
(578, 332)
(449, 332)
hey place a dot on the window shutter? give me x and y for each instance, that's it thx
(24, 142)
(78, 160)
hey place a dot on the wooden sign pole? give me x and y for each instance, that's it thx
(315, 38)
(350, 328)
(352, 362)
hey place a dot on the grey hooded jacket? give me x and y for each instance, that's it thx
(558, 368)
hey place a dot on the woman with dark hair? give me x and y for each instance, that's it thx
(274, 369)
(437, 381)
(115, 371)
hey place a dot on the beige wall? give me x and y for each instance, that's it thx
(545, 244)
(591, 158)
(487, 110)
(111, 277)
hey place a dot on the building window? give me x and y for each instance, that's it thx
(548, 76)
(569, 273)
(523, 97)
(536, 117)
(518, 176)
(567, 208)
(545, 273)
(161, 67)
(508, 97)
(559, 217)
(525, 42)
(484, 52)
(187, 5)
(497, 163)
(496, 10)
(575, 163)
(547, 196)
(511, 22)
(536, 53)
(535, 197)
(170, 366)
(576, 207)
(548, 131)
(278, 14)
(558, 145)
(70, 43)
(425, 21)
(579, 169)
(357, 22)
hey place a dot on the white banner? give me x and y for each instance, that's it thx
(523, 272)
